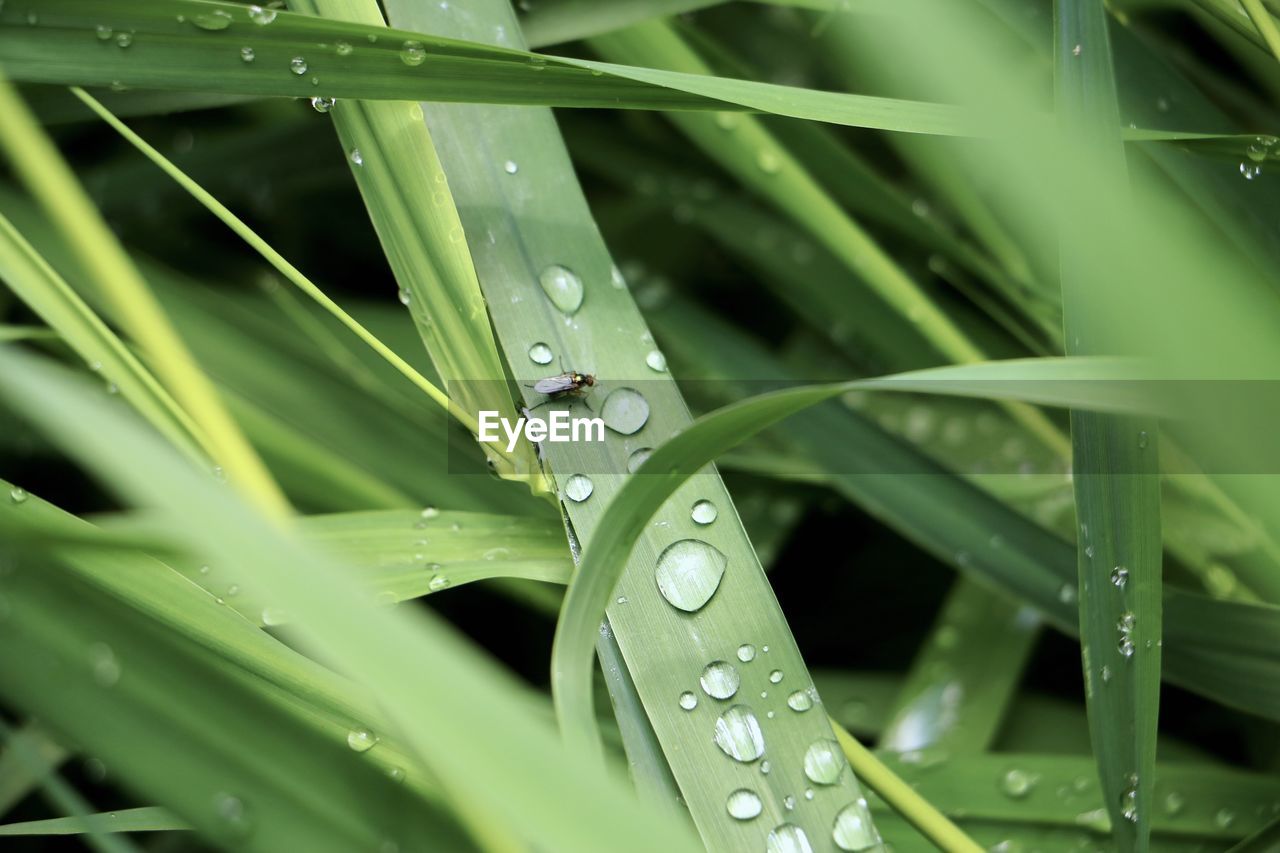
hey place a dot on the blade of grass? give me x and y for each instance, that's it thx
(50, 180)
(142, 819)
(1116, 471)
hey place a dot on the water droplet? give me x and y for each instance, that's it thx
(232, 815)
(17, 494)
(404, 296)
(852, 829)
(775, 676)
(123, 40)
(625, 411)
(511, 167)
(1129, 799)
(322, 104)
(563, 288)
(218, 19)
(622, 599)
(824, 762)
(1106, 674)
(720, 680)
(361, 740)
(787, 838)
(1174, 803)
(412, 53)
(261, 16)
(106, 669)
(738, 734)
(704, 512)
(103, 32)
(540, 353)
(743, 804)
(438, 583)
(769, 162)
(578, 488)
(343, 48)
(272, 616)
(800, 701)
(1017, 783)
(656, 361)
(1143, 439)
(688, 700)
(1075, 51)
(789, 802)
(1250, 170)
(727, 121)
(1126, 626)
(298, 65)
(746, 652)
(689, 573)
(1119, 577)
(247, 54)
(430, 512)
(1224, 818)
(396, 774)
(1259, 148)
(1067, 593)
(638, 458)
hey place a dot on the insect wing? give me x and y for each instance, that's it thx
(555, 384)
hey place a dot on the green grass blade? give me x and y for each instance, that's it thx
(1118, 513)
(37, 162)
(560, 21)
(143, 819)
(29, 754)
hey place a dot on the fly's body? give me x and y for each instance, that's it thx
(570, 384)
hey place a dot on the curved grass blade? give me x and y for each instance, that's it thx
(559, 21)
(52, 183)
(141, 819)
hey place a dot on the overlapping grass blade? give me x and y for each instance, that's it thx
(142, 819)
(463, 719)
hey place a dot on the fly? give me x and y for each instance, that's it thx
(569, 384)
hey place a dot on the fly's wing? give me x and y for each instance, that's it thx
(555, 384)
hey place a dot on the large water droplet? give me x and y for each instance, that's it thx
(689, 572)
(746, 652)
(218, 19)
(800, 701)
(361, 740)
(720, 680)
(625, 411)
(704, 512)
(787, 838)
(738, 734)
(743, 804)
(563, 288)
(261, 16)
(852, 829)
(688, 700)
(824, 762)
(298, 65)
(412, 53)
(578, 488)
(637, 458)
(540, 353)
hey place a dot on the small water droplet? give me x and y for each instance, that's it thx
(824, 762)
(622, 599)
(247, 54)
(343, 48)
(1224, 818)
(769, 162)
(1067, 593)
(727, 121)
(808, 793)
(638, 458)
(1259, 148)
(1174, 803)
(656, 361)
(578, 488)
(704, 512)
(1106, 674)
(322, 105)
(438, 583)
(563, 288)
(688, 700)
(852, 829)
(1129, 799)
(787, 838)
(738, 734)
(1119, 577)
(124, 40)
(688, 573)
(720, 680)
(540, 353)
(298, 65)
(789, 802)
(218, 19)
(106, 669)
(1076, 51)
(18, 495)
(1142, 439)
(800, 701)
(775, 676)
(272, 616)
(743, 804)
(361, 740)
(404, 296)
(103, 32)
(511, 167)
(396, 774)
(746, 652)
(232, 815)
(356, 157)
(429, 512)
(412, 53)
(261, 16)
(1017, 783)
(625, 411)
(1250, 170)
